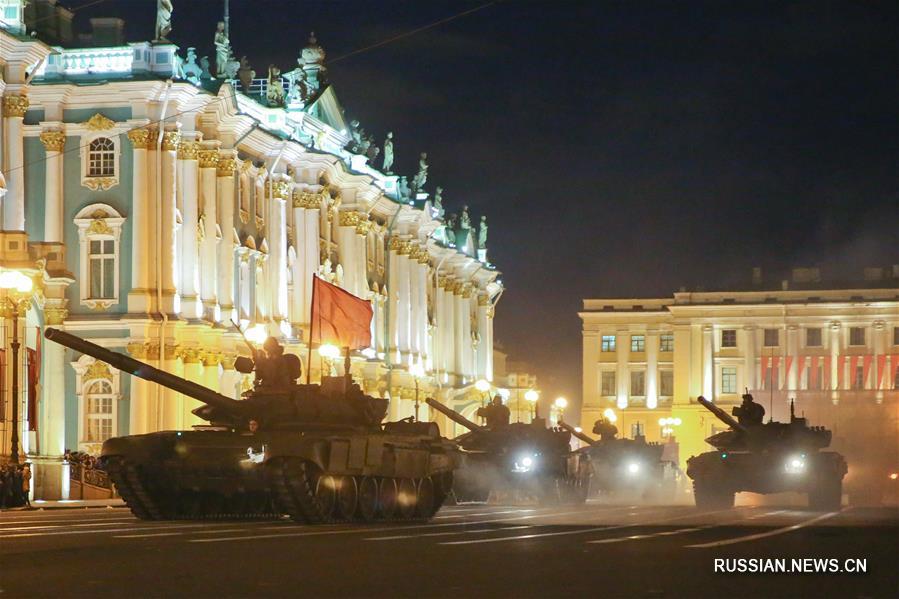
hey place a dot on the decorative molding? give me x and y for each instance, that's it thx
(140, 138)
(188, 150)
(191, 355)
(227, 360)
(55, 315)
(98, 122)
(208, 158)
(98, 370)
(211, 358)
(54, 141)
(15, 106)
(307, 199)
(171, 140)
(277, 189)
(226, 166)
(138, 350)
(100, 183)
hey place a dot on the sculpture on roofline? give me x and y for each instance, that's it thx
(163, 19)
(246, 74)
(222, 50)
(372, 153)
(388, 154)
(275, 92)
(205, 74)
(482, 234)
(418, 183)
(190, 68)
(438, 199)
(298, 89)
(465, 221)
(403, 185)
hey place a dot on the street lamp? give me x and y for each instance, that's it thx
(610, 415)
(329, 353)
(561, 403)
(483, 386)
(18, 289)
(257, 334)
(531, 396)
(417, 371)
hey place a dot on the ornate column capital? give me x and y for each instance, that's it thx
(188, 150)
(211, 358)
(140, 138)
(227, 360)
(138, 350)
(55, 315)
(15, 106)
(171, 140)
(208, 158)
(190, 355)
(54, 141)
(226, 166)
(307, 199)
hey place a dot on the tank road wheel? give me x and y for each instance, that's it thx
(712, 497)
(347, 497)
(826, 494)
(387, 498)
(367, 504)
(407, 498)
(425, 508)
(326, 495)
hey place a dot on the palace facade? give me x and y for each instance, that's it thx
(833, 349)
(154, 205)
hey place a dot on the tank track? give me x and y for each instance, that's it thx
(149, 502)
(297, 486)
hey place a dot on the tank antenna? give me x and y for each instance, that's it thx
(245, 340)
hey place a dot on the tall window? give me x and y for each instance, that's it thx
(856, 336)
(608, 343)
(813, 337)
(858, 381)
(895, 335)
(638, 383)
(101, 158)
(98, 413)
(772, 337)
(729, 338)
(666, 383)
(637, 429)
(666, 342)
(638, 343)
(607, 382)
(728, 379)
(102, 258)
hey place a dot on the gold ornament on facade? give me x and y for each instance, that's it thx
(260, 223)
(99, 183)
(209, 158)
(98, 122)
(99, 226)
(188, 150)
(307, 199)
(140, 138)
(278, 189)
(211, 358)
(483, 300)
(15, 106)
(138, 350)
(54, 141)
(226, 166)
(98, 370)
(227, 361)
(55, 315)
(190, 355)
(172, 351)
(171, 140)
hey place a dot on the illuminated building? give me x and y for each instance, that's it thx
(833, 348)
(155, 203)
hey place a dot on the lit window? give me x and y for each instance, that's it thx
(666, 342)
(636, 429)
(772, 337)
(638, 383)
(101, 158)
(98, 413)
(666, 383)
(608, 343)
(728, 380)
(102, 259)
(813, 337)
(856, 336)
(607, 381)
(729, 338)
(638, 343)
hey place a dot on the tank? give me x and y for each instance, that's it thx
(524, 459)
(769, 457)
(318, 453)
(626, 468)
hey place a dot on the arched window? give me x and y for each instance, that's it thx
(101, 158)
(99, 233)
(99, 400)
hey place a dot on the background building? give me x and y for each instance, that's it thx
(833, 348)
(154, 203)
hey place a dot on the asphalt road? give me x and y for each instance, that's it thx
(466, 551)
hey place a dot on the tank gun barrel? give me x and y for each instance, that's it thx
(577, 434)
(145, 371)
(454, 415)
(721, 414)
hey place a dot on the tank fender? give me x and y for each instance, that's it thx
(141, 448)
(311, 450)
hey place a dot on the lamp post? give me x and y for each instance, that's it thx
(328, 353)
(531, 396)
(18, 288)
(561, 403)
(483, 386)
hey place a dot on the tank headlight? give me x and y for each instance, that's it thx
(633, 468)
(527, 461)
(524, 463)
(795, 464)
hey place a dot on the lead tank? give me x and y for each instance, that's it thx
(318, 453)
(771, 457)
(527, 459)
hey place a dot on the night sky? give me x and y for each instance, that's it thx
(619, 149)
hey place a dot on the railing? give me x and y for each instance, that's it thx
(89, 483)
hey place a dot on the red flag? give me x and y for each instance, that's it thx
(339, 317)
(841, 366)
(800, 367)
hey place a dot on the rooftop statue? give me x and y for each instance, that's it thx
(355, 135)
(465, 221)
(438, 199)
(451, 222)
(372, 152)
(275, 93)
(403, 185)
(482, 234)
(204, 68)
(163, 19)
(190, 68)
(418, 183)
(246, 74)
(222, 50)
(388, 154)
(298, 90)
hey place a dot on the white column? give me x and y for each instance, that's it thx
(449, 327)
(229, 384)
(835, 331)
(209, 243)
(54, 143)
(793, 353)
(278, 265)
(14, 108)
(460, 326)
(421, 325)
(346, 247)
(708, 362)
(142, 231)
(393, 286)
(362, 259)
(190, 239)
(651, 345)
(167, 256)
(489, 373)
(225, 182)
(415, 328)
(139, 421)
(54, 391)
(749, 357)
(484, 346)
(404, 308)
(622, 375)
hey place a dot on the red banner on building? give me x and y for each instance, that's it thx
(853, 369)
(881, 367)
(866, 369)
(826, 383)
(841, 367)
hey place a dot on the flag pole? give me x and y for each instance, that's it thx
(309, 353)
(346, 364)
